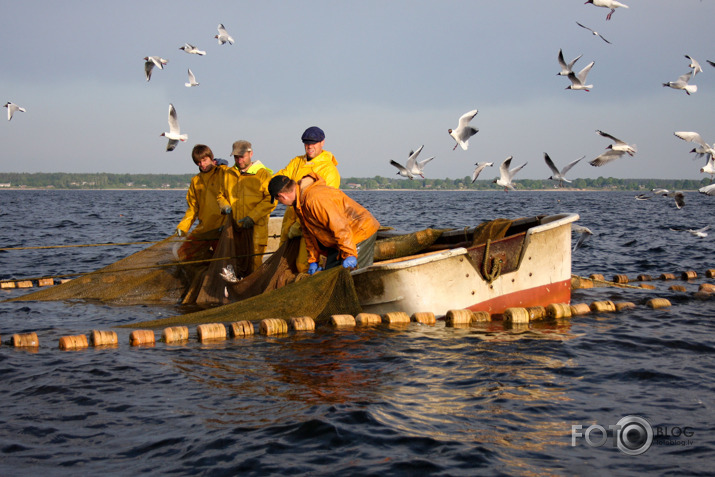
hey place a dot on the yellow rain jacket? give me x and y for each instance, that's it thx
(201, 199)
(248, 196)
(330, 217)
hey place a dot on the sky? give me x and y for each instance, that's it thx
(380, 78)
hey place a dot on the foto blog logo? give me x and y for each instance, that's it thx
(633, 435)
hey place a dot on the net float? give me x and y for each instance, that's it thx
(241, 328)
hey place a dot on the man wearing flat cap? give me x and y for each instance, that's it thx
(245, 195)
(316, 160)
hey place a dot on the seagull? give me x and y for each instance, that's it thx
(507, 174)
(578, 81)
(464, 131)
(584, 233)
(707, 190)
(11, 108)
(594, 32)
(174, 135)
(151, 62)
(703, 147)
(402, 170)
(416, 167)
(480, 167)
(682, 83)
(192, 80)
(188, 48)
(612, 4)
(223, 35)
(709, 168)
(677, 195)
(701, 232)
(694, 65)
(619, 145)
(606, 157)
(566, 68)
(559, 176)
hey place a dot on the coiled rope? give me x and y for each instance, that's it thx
(496, 265)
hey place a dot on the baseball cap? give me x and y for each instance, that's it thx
(240, 148)
(276, 185)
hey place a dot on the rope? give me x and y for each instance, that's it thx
(496, 265)
(606, 282)
(91, 245)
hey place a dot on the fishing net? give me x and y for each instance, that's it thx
(403, 245)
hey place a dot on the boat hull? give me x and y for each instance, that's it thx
(534, 270)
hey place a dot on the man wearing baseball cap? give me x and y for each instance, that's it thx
(316, 160)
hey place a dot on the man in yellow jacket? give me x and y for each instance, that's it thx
(202, 205)
(245, 195)
(337, 230)
(315, 160)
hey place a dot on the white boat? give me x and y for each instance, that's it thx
(530, 266)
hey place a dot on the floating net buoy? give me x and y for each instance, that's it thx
(395, 317)
(624, 305)
(646, 286)
(481, 316)
(580, 283)
(302, 323)
(678, 288)
(597, 276)
(426, 318)
(516, 315)
(707, 288)
(556, 311)
(241, 328)
(536, 313)
(343, 320)
(667, 276)
(710, 273)
(620, 279)
(142, 338)
(73, 342)
(644, 278)
(580, 309)
(211, 332)
(103, 338)
(658, 303)
(688, 275)
(273, 326)
(174, 334)
(25, 340)
(458, 317)
(368, 319)
(603, 306)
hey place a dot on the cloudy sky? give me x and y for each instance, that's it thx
(381, 78)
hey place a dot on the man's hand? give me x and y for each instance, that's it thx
(313, 267)
(294, 230)
(350, 262)
(246, 222)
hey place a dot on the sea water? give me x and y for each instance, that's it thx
(427, 400)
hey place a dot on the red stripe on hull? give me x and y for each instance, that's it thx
(544, 295)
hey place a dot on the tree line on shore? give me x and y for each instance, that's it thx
(64, 180)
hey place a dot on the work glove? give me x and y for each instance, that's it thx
(294, 230)
(246, 222)
(226, 210)
(313, 267)
(350, 262)
(180, 233)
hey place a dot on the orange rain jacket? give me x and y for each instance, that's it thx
(201, 199)
(248, 196)
(330, 217)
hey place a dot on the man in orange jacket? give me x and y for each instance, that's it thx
(337, 230)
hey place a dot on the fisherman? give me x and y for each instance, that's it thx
(202, 205)
(337, 230)
(315, 160)
(245, 195)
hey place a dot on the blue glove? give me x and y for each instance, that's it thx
(226, 210)
(350, 262)
(313, 267)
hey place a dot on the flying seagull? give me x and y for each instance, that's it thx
(593, 32)
(192, 80)
(464, 131)
(578, 81)
(11, 108)
(612, 4)
(480, 167)
(618, 145)
(694, 65)
(416, 167)
(174, 135)
(682, 83)
(677, 195)
(702, 149)
(709, 168)
(566, 68)
(701, 232)
(507, 174)
(223, 36)
(707, 190)
(583, 234)
(151, 62)
(556, 175)
(188, 48)
(402, 170)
